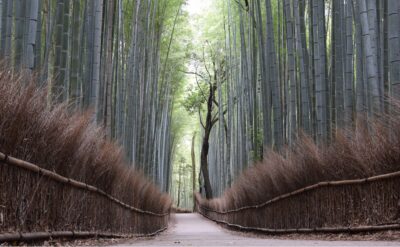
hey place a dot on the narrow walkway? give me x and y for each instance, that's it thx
(194, 230)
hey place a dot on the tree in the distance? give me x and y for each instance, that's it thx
(204, 101)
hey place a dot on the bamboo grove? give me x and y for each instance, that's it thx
(298, 66)
(265, 72)
(111, 57)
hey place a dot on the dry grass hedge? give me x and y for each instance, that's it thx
(72, 146)
(371, 149)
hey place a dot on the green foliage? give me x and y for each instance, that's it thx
(195, 98)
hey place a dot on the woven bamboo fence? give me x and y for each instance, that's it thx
(36, 203)
(342, 206)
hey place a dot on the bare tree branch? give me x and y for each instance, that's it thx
(201, 120)
(201, 90)
(205, 66)
(197, 81)
(193, 73)
(215, 118)
(241, 5)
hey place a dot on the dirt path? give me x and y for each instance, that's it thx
(194, 230)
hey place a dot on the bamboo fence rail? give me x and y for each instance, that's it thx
(52, 175)
(35, 236)
(34, 199)
(368, 204)
(309, 230)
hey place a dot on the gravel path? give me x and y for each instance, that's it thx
(194, 230)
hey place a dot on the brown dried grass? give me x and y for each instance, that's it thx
(371, 149)
(69, 144)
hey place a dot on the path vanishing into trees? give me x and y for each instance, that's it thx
(195, 230)
(281, 116)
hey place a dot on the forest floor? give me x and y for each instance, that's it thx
(194, 230)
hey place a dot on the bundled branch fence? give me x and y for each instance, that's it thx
(66, 178)
(38, 203)
(341, 206)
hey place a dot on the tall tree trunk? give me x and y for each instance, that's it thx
(193, 169)
(57, 89)
(338, 63)
(349, 66)
(108, 68)
(292, 71)
(274, 81)
(394, 47)
(6, 27)
(64, 69)
(74, 80)
(319, 37)
(94, 94)
(361, 104)
(38, 41)
(32, 31)
(206, 142)
(20, 21)
(370, 53)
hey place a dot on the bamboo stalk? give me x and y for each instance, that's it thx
(305, 189)
(58, 178)
(34, 236)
